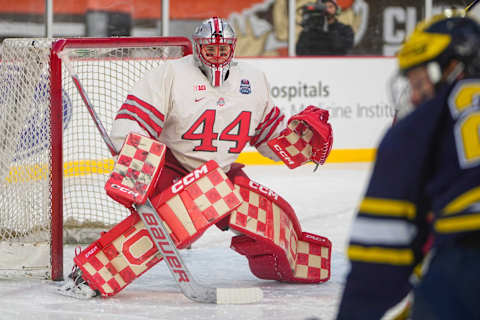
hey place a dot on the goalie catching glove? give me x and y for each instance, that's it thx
(308, 137)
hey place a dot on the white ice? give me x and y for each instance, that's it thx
(325, 202)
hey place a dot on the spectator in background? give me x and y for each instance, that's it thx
(322, 33)
(109, 18)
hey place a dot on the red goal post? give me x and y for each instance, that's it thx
(53, 163)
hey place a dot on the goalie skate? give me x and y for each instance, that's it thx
(76, 287)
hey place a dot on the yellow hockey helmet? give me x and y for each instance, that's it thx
(447, 45)
(445, 37)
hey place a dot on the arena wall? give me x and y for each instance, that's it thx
(353, 89)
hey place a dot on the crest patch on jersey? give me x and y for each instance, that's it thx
(245, 86)
(221, 102)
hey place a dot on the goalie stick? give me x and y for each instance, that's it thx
(159, 234)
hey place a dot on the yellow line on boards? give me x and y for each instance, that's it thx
(336, 156)
(35, 172)
(20, 174)
(86, 167)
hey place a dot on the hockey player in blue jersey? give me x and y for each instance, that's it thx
(426, 181)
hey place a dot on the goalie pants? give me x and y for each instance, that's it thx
(450, 289)
(173, 171)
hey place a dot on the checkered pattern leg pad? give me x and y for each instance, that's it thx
(259, 216)
(267, 218)
(138, 166)
(120, 256)
(313, 258)
(196, 202)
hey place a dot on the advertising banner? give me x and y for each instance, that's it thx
(354, 90)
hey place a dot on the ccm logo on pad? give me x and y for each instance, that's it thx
(283, 154)
(124, 189)
(189, 178)
(263, 189)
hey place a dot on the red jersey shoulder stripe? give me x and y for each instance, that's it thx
(147, 106)
(150, 123)
(269, 132)
(266, 128)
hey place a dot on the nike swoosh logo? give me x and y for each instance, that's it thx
(200, 99)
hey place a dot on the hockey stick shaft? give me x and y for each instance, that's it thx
(93, 114)
(159, 234)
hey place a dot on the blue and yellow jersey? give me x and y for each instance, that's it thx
(429, 162)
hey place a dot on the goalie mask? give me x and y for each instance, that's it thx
(214, 42)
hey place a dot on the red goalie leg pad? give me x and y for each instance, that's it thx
(268, 261)
(272, 239)
(120, 256)
(261, 257)
(195, 202)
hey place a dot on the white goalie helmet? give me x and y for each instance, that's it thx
(214, 41)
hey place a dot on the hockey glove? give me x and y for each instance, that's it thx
(136, 171)
(308, 137)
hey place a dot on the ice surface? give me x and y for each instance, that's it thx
(325, 202)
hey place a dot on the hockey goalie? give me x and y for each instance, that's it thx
(179, 132)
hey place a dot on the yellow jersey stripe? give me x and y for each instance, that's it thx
(469, 222)
(388, 208)
(398, 257)
(463, 201)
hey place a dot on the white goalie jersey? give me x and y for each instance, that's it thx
(176, 105)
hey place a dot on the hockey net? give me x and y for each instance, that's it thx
(53, 162)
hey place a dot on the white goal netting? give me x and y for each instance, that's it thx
(107, 72)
